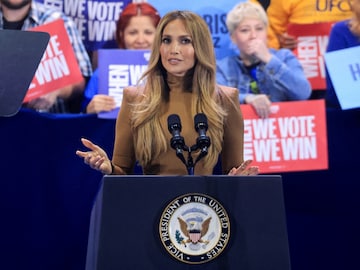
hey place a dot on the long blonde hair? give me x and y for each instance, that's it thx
(149, 137)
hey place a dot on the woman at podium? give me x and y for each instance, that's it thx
(180, 81)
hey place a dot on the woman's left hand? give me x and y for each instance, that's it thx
(245, 169)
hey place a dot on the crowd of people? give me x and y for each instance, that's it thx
(265, 69)
(184, 77)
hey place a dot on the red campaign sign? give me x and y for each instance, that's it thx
(312, 43)
(292, 139)
(58, 67)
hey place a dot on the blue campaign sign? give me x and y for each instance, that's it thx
(214, 13)
(344, 70)
(118, 69)
(95, 19)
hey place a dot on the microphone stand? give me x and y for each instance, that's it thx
(177, 142)
(190, 165)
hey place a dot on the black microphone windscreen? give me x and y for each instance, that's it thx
(200, 119)
(174, 122)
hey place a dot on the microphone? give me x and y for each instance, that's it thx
(203, 141)
(177, 141)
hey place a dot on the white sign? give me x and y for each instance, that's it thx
(344, 70)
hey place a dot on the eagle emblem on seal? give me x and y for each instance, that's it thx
(194, 230)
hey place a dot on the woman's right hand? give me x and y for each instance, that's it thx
(96, 158)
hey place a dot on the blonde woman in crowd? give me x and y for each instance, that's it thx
(262, 75)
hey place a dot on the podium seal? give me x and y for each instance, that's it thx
(194, 228)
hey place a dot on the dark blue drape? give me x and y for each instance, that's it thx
(47, 193)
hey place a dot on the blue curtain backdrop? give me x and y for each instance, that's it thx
(47, 193)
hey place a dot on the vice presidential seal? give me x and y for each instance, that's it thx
(194, 228)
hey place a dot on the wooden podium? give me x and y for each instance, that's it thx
(131, 212)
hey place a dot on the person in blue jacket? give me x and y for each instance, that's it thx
(261, 74)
